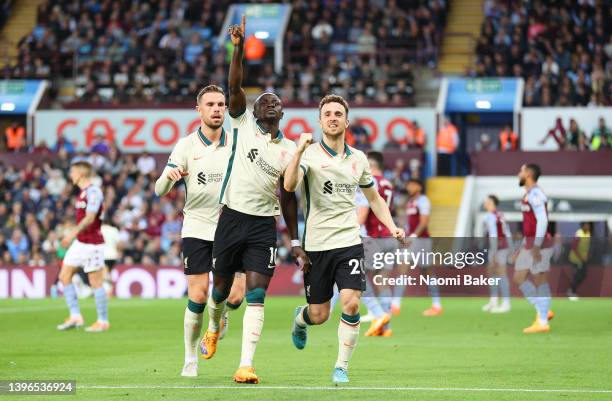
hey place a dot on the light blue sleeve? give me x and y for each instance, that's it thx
(491, 225)
(424, 205)
(537, 200)
(508, 235)
(94, 199)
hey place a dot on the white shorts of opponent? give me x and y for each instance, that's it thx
(524, 261)
(88, 256)
(501, 257)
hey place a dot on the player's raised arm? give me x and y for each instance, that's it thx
(294, 174)
(237, 98)
(381, 211)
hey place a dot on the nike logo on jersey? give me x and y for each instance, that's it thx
(197, 157)
(325, 165)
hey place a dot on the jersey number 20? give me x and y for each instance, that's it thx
(356, 265)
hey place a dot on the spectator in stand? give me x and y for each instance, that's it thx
(171, 40)
(155, 219)
(447, 142)
(485, 143)
(41, 149)
(359, 135)
(416, 138)
(400, 174)
(579, 257)
(601, 137)
(119, 48)
(100, 145)
(63, 143)
(56, 183)
(5, 255)
(15, 137)
(146, 163)
(508, 139)
(18, 247)
(170, 230)
(560, 45)
(4, 215)
(576, 138)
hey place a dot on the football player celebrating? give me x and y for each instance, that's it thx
(245, 238)
(331, 171)
(200, 160)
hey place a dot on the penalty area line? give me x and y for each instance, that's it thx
(341, 388)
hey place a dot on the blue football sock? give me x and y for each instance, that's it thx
(544, 299)
(71, 300)
(101, 304)
(504, 288)
(529, 291)
(385, 298)
(493, 290)
(434, 291)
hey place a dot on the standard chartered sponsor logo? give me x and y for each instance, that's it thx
(204, 179)
(344, 188)
(267, 168)
(338, 188)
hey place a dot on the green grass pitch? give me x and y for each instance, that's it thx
(463, 355)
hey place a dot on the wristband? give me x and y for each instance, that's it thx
(413, 235)
(295, 242)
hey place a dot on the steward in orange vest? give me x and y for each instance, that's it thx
(508, 140)
(15, 137)
(448, 138)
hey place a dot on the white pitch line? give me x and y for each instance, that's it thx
(341, 388)
(19, 309)
(26, 309)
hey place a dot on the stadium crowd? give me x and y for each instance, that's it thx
(562, 49)
(128, 52)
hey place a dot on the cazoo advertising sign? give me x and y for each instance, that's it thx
(158, 130)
